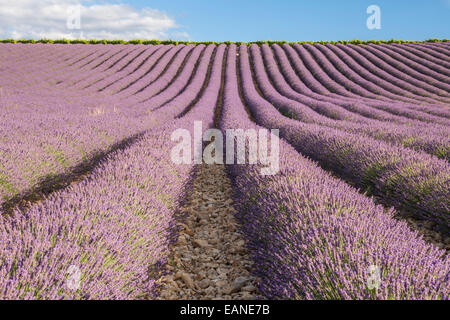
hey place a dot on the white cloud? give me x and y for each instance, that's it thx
(48, 19)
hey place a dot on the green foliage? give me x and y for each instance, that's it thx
(79, 41)
(238, 43)
(154, 42)
(116, 42)
(94, 41)
(26, 41)
(63, 41)
(45, 41)
(260, 42)
(206, 43)
(169, 42)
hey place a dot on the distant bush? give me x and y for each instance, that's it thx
(79, 41)
(64, 41)
(94, 41)
(116, 42)
(26, 41)
(44, 41)
(169, 42)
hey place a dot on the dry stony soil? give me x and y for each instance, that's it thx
(210, 260)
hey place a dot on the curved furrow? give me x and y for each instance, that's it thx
(340, 92)
(182, 78)
(413, 60)
(113, 68)
(203, 89)
(69, 62)
(316, 235)
(361, 54)
(328, 109)
(187, 85)
(408, 66)
(187, 107)
(342, 73)
(321, 76)
(384, 59)
(436, 47)
(90, 50)
(386, 73)
(427, 53)
(427, 139)
(369, 79)
(335, 75)
(307, 81)
(299, 78)
(126, 69)
(99, 54)
(93, 67)
(407, 179)
(441, 46)
(299, 73)
(101, 69)
(137, 72)
(80, 65)
(151, 74)
(170, 72)
(421, 114)
(335, 89)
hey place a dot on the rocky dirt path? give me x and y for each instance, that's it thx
(209, 260)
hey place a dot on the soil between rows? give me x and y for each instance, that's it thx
(210, 259)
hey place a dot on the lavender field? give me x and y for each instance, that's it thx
(87, 181)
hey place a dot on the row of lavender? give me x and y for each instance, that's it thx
(314, 237)
(403, 78)
(433, 144)
(401, 176)
(175, 75)
(115, 56)
(47, 131)
(116, 224)
(326, 81)
(358, 71)
(430, 138)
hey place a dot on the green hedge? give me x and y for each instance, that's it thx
(154, 42)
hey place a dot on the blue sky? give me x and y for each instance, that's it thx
(220, 20)
(292, 20)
